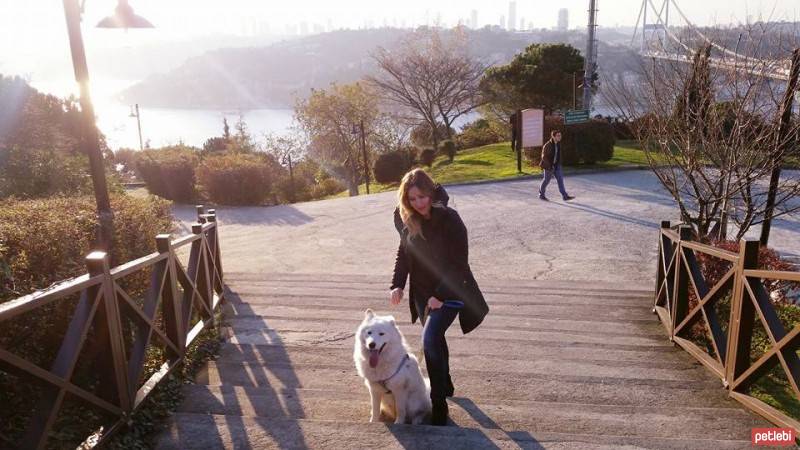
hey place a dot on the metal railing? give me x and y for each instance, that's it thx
(685, 300)
(176, 306)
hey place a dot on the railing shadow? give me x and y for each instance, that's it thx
(272, 390)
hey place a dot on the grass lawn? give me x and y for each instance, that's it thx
(498, 161)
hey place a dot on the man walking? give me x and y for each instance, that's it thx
(551, 165)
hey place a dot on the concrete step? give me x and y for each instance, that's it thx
(248, 278)
(545, 382)
(517, 295)
(505, 413)
(255, 330)
(323, 313)
(199, 431)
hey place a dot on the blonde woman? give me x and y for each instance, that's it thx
(434, 253)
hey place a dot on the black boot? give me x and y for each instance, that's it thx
(450, 388)
(439, 413)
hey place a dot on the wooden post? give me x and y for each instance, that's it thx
(781, 139)
(680, 305)
(665, 224)
(97, 263)
(171, 301)
(200, 213)
(740, 328)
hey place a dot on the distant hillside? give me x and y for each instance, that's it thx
(274, 75)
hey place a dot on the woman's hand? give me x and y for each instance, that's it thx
(396, 296)
(434, 303)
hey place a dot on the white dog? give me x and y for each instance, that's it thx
(390, 371)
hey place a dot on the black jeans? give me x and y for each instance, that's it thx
(437, 356)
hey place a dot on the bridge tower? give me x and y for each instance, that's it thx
(654, 33)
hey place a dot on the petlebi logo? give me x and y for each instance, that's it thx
(782, 437)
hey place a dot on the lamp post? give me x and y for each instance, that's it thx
(135, 113)
(123, 18)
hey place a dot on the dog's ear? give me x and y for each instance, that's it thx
(368, 314)
(391, 320)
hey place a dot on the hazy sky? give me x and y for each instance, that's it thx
(33, 29)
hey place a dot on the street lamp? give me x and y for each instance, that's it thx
(90, 143)
(135, 113)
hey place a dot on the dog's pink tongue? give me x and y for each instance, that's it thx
(373, 358)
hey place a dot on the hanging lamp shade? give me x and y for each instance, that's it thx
(124, 17)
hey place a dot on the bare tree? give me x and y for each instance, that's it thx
(288, 149)
(712, 130)
(432, 76)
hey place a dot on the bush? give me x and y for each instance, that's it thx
(585, 143)
(169, 172)
(448, 148)
(236, 178)
(390, 167)
(327, 187)
(37, 173)
(479, 133)
(427, 157)
(35, 257)
(421, 134)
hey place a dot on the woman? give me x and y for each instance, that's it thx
(433, 251)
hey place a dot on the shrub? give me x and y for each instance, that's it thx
(479, 133)
(169, 172)
(427, 157)
(326, 187)
(390, 167)
(448, 148)
(585, 143)
(236, 178)
(36, 173)
(35, 257)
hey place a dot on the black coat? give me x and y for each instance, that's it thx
(446, 237)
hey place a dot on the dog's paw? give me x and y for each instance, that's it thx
(373, 419)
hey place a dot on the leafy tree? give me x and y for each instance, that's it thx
(329, 118)
(539, 77)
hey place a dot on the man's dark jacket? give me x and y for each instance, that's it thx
(548, 156)
(446, 237)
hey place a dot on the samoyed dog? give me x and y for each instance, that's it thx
(391, 372)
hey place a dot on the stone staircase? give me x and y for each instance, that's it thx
(555, 365)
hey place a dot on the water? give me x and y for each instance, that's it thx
(163, 126)
(168, 126)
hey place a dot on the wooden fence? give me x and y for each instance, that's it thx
(177, 305)
(728, 348)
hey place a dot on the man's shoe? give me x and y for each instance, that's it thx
(568, 198)
(439, 412)
(543, 198)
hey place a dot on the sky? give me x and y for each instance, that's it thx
(32, 30)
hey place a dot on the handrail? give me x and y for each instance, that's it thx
(181, 300)
(679, 275)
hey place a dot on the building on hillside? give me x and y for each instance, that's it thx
(512, 16)
(563, 19)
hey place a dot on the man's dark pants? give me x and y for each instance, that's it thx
(548, 174)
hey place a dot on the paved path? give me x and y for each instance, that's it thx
(608, 233)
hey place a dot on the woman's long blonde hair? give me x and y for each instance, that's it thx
(421, 180)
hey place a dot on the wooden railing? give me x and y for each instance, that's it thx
(176, 306)
(680, 283)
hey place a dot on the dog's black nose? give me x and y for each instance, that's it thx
(371, 345)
